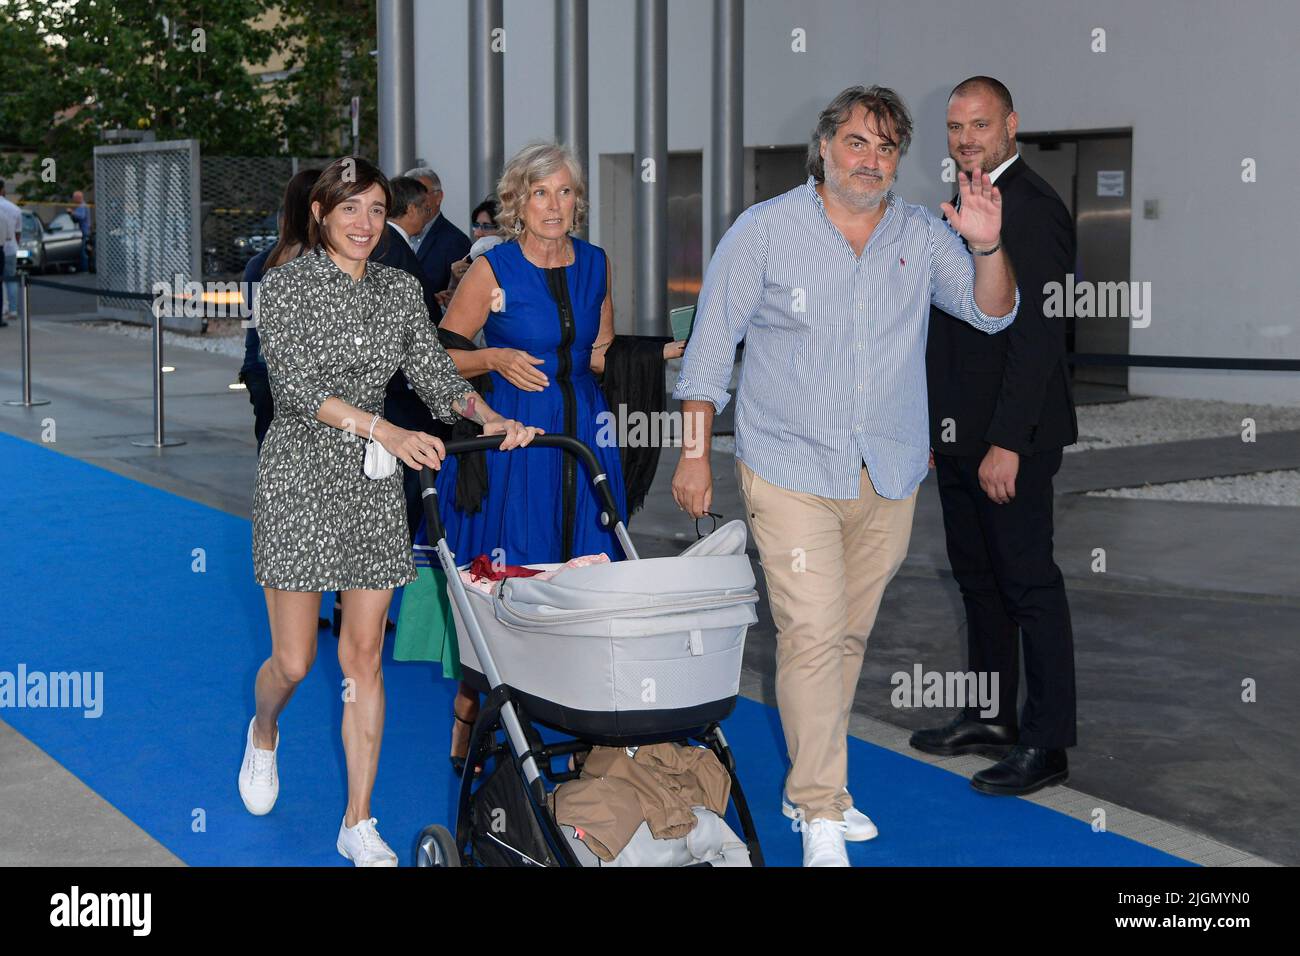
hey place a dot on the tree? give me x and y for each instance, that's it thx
(328, 46)
(181, 68)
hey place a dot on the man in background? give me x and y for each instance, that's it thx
(1000, 413)
(14, 235)
(402, 406)
(81, 213)
(440, 243)
(406, 220)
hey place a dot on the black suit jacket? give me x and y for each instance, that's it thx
(402, 406)
(442, 245)
(393, 250)
(1011, 389)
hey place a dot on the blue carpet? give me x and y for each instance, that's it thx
(101, 577)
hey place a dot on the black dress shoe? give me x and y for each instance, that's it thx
(1023, 771)
(963, 736)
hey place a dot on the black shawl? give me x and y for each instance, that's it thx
(471, 480)
(634, 379)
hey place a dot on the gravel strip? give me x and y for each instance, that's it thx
(1138, 421)
(1260, 488)
(218, 344)
(1152, 421)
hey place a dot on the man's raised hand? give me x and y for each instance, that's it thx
(979, 221)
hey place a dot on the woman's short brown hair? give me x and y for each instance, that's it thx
(531, 164)
(341, 180)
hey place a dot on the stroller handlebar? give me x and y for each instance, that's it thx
(571, 446)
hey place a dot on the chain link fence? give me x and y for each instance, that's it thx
(167, 214)
(241, 195)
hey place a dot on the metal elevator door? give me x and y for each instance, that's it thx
(1092, 173)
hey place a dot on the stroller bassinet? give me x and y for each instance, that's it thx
(613, 652)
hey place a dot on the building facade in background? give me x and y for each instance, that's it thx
(1158, 124)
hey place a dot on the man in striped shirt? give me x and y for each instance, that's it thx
(830, 287)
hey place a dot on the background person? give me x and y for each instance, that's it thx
(6, 239)
(1007, 397)
(289, 244)
(81, 213)
(486, 234)
(13, 237)
(441, 243)
(402, 406)
(406, 220)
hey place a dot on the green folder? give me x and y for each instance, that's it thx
(682, 319)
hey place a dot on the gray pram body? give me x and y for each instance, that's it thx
(614, 652)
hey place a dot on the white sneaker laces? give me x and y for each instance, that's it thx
(263, 761)
(370, 839)
(822, 830)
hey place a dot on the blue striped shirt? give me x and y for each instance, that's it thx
(833, 374)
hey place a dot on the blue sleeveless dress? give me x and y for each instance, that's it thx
(540, 506)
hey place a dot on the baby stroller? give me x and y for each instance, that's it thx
(619, 654)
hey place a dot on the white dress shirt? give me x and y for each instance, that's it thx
(1003, 168)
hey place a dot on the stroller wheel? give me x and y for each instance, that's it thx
(436, 847)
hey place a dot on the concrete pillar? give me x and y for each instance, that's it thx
(396, 22)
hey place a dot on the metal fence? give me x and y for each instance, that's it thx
(240, 197)
(147, 224)
(165, 213)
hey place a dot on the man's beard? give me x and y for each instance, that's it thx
(992, 159)
(868, 195)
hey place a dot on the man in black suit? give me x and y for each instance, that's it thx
(405, 221)
(1000, 413)
(402, 406)
(441, 243)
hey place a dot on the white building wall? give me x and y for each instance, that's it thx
(1201, 91)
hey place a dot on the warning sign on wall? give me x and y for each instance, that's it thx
(1110, 182)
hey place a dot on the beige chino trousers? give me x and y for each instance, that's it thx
(827, 562)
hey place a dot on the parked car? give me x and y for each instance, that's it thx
(248, 243)
(258, 239)
(53, 245)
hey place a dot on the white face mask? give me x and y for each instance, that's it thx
(380, 462)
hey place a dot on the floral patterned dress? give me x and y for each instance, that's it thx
(319, 524)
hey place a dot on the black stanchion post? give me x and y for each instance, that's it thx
(158, 441)
(25, 344)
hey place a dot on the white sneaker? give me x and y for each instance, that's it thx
(363, 845)
(259, 782)
(859, 825)
(823, 843)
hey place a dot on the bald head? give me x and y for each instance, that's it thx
(988, 85)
